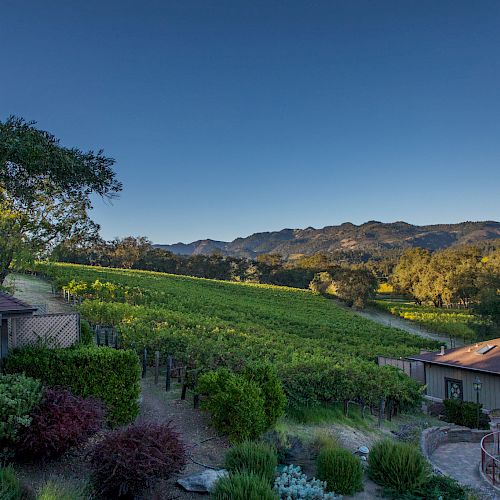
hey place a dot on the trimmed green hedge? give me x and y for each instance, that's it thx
(465, 413)
(110, 375)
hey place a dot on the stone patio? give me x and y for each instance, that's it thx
(461, 461)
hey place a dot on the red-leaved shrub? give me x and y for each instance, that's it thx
(59, 422)
(129, 459)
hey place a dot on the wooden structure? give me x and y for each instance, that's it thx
(451, 373)
(22, 325)
(11, 308)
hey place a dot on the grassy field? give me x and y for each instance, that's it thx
(209, 323)
(456, 323)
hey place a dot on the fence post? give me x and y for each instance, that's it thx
(157, 366)
(169, 369)
(144, 361)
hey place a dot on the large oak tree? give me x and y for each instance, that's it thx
(45, 190)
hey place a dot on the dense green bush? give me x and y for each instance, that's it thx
(465, 413)
(10, 487)
(341, 470)
(266, 377)
(18, 395)
(436, 488)
(235, 404)
(397, 466)
(243, 487)
(253, 458)
(107, 374)
(86, 333)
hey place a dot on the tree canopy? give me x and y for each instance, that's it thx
(45, 190)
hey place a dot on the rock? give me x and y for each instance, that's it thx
(363, 450)
(203, 482)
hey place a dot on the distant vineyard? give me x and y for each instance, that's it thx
(209, 323)
(457, 323)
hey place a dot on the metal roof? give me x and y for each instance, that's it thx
(483, 357)
(10, 305)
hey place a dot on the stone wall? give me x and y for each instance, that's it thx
(434, 437)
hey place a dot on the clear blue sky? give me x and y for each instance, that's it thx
(230, 117)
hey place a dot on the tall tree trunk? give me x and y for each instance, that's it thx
(5, 260)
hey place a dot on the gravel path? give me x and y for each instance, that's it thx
(388, 319)
(203, 444)
(36, 291)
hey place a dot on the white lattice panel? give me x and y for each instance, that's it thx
(50, 330)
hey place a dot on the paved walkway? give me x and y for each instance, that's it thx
(461, 461)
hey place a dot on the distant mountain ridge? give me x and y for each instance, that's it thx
(368, 236)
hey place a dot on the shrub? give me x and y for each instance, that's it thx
(242, 487)
(127, 460)
(341, 470)
(86, 334)
(235, 403)
(436, 488)
(266, 377)
(397, 466)
(18, 395)
(54, 491)
(107, 374)
(292, 483)
(10, 487)
(465, 413)
(253, 458)
(60, 422)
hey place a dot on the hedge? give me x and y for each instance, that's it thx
(107, 374)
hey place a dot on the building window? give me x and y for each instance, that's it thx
(454, 389)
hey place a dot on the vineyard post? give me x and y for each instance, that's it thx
(144, 361)
(169, 369)
(157, 366)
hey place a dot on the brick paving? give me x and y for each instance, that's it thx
(461, 461)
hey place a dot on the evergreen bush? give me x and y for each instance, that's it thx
(243, 486)
(10, 487)
(397, 466)
(18, 395)
(253, 458)
(266, 377)
(111, 375)
(465, 413)
(236, 404)
(341, 470)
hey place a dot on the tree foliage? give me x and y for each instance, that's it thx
(45, 190)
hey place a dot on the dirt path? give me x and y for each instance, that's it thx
(203, 444)
(37, 292)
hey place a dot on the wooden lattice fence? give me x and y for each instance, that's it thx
(50, 330)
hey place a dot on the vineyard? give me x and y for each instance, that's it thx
(323, 353)
(457, 323)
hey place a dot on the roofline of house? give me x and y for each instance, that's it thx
(451, 365)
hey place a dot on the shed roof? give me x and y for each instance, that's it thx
(10, 305)
(483, 357)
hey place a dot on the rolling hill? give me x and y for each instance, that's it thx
(368, 236)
